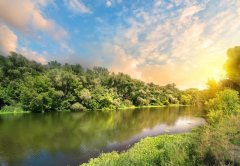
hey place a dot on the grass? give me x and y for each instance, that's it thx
(12, 112)
(213, 144)
(151, 151)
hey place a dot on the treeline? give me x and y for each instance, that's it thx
(31, 86)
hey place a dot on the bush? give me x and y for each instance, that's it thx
(218, 143)
(185, 99)
(77, 107)
(225, 103)
(16, 109)
(127, 103)
(219, 140)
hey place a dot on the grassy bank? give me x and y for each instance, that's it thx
(161, 150)
(12, 112)
(209, 145)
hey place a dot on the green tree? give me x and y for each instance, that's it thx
(232, 65)
(225, 103)
(84, 96)
(77, 107)
(185, 99)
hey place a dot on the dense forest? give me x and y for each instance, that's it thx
(30, 86)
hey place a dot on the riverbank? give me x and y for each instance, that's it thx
(122, 108)
(160, 150)
(216, 143)
(147, 106)
(152, 106)
(12, 112)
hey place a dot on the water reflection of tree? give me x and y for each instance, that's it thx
(70, 132)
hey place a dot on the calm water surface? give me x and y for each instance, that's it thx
(73, 138)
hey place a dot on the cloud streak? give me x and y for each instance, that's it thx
(8, 40)
(76, 6)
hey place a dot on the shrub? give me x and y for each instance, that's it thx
(218, 143)
(127, 103)
(219, 139)
(77, 107)
(16, 108)
(225, 103)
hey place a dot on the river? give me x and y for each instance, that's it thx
(60, 139)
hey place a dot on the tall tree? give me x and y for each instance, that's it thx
(232, 65)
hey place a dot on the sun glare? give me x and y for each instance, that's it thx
(218, 74)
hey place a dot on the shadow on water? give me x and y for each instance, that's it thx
(73, 138)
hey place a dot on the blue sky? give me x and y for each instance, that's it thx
(160, 41)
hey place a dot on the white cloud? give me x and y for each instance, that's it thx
(125, 63)
(186, 45)
(33, 55)
(77, 6)
(26, 16)
(188, 13)
(108, 3)
(8, 43)
(8, 40)
(157, 3)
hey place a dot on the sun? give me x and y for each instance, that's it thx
(218, 74)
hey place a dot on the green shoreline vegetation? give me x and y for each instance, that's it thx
(13, 110)
(216, 143)
(27, 85)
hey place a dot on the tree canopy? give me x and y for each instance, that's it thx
(232, 65)
(56, 87)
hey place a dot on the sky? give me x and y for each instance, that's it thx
(160, 41)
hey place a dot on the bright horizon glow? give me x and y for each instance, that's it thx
(162, 41)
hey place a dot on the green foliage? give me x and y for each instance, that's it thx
(14, 109)
(37, 95)
(218, 143)
(185, 99)
(161, 150)
(85, 95)
(77, 107)
(215, 143)
(127, 103)
(226, 102)
(57, 87)
(232, 64)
